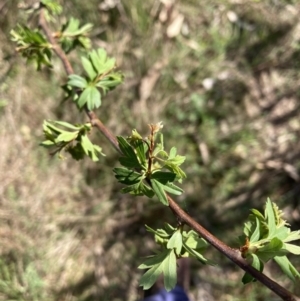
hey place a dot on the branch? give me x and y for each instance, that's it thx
(233, 254)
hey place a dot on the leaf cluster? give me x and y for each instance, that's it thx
(73, 35)
(32, 45)
(147, 172)
(73, 139)
(175, 243)
(268, 237)
(100, 74)
(52, 6)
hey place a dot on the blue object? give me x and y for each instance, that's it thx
(176, 294)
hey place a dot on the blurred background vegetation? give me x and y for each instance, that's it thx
(223, 76)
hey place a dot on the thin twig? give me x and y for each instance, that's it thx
(233, 254)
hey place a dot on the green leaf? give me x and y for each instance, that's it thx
(171, 188)
(154, 260)
(90, 97)
(193, 241)
(86, 144)
(282, 233)
(126, 176)
(88, 67)
(175, 169)
(257, 214)
(130, 160)
(67, 125)
(294, 235)
(66, 137)
(256, 234)
(110, 81)
(32, 45)
(287, 267)
(178, 160)
(159, 191)
(270, 250)
(247, 278)
(149, 278)
(140, 147)
(173, 152)
(292, 248)
(164, 262)
(257, 264)
(89, 148)
(169, 271)
(163, 177)
(101, 63)
(52, 6)
(269, 213)
(95, 99)
(146, 190)
(83, 98)
(156, 265)
(98, 58)
(139, 189)
(197, 254)
(159, 232)
(85, 28)
(47, 143)
(169, 228)
(175, 242)
(77, 81)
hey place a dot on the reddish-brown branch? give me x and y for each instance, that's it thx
(233, 254)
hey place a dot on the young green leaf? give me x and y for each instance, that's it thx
(68, 136)
(140, 148)
(154, 260)
(256, 234)
(130, 160)
(158, 188)
(292, 248)
(88, 67)
(294, 235)
(139, 189)
(77, 81)
(196, 254)
(287, 267)
(173, 152)
(171, 188)
(164, 262)
(98, 58)
(47, 143)
(192, 240)
(89, 148)
(149, 278)
(68, 125)
(170, 271)
(163, 177)
(126, 176)
(169, 228)
(257, 214)
(156, 265)
(175, 242)
(94, 101)
(269, 214)
(257, 264)
(270, 250)
(159, 232)
(90, 97)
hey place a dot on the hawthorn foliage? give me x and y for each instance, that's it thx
(148, 165)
